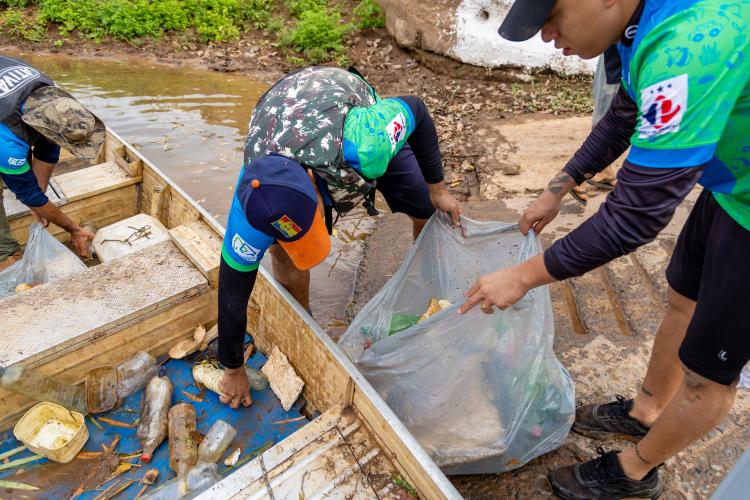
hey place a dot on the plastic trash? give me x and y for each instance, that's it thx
(209, 375)
(155, 415)
(39, 387)
(183, 449)
(135, 373)
(198, 479)
(481, 393)
(216, 442)
(44, 260)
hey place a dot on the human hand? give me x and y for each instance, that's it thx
(235, 388)
(446, 202)
(540, 213)
(502, 288)
(80, 239)
(39, 219)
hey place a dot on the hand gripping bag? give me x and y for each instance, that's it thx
(481, 393)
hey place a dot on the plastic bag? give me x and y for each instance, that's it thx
(481, 393)
(44, 260)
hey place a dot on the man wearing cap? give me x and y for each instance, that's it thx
(320, 141)
(684, 110)
(36, 119)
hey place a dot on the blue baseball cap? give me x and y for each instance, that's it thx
(525, 19)
(280, 200)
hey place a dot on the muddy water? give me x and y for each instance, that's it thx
(192, 123)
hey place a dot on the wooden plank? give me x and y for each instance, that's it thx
(401, 455)
(273, 322)
(88, 304)
(332, 455)
(155, 332)
(180, 210)
(200, 244)
(15, 209)
(104, 209)
(94, 180)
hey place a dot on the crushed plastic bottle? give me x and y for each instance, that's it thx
(258, 379)
(183, 449)
(198, 479)
(135, 373)
(155, 415)
(216, 442)
(209, 375)
(39, 387)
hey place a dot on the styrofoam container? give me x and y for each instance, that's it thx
(52, 431)
(124, 229)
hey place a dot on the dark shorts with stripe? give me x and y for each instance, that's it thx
(711, 265)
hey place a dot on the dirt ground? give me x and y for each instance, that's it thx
(605, 321)
(503, 138)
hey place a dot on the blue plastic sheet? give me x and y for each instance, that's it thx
(260, 425)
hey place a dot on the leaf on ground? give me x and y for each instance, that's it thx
(192, 397)
(13, 485)
(117, 423)
(96, 423)
(20, 462)
(150, 476)
(89, 455)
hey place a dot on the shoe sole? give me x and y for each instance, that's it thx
(562, 495)
(606, 435)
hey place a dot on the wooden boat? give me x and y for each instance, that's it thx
(151, 299)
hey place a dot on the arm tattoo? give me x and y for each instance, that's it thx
(557, 184)
(645, 391)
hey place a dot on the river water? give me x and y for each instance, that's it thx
(192, 123)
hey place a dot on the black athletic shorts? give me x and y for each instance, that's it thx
(711, 265)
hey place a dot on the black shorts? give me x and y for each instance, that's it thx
(404, 187)
(711, 265)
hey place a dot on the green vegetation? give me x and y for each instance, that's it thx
(317, 29)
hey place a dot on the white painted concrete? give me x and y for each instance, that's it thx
(478, 43)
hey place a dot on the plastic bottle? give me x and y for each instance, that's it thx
(39, 387)
(135, 373)
(209, 376)
(198, 479)
(216, 442)
(183, 449)
(400, 322)
(154, 416)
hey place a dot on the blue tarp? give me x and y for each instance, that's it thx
(258, 426)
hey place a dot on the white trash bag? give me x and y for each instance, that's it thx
(481, 393)
(44, 260)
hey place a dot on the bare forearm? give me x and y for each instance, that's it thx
(54, 215)
(42, 171)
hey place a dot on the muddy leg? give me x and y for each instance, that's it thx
(697, 407)
(664, 373)
(417, 226)
(295, 281)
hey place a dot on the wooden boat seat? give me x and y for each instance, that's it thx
(334, 455)
(63, 315)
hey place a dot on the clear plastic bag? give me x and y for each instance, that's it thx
(481, 393)
(44, 260)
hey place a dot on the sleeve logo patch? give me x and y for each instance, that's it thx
(16, 162)
(663, 106)
(244, 249)
(396, 130)
(287, 227)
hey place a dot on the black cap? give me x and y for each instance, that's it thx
(525, 18)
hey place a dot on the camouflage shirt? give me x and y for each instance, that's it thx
(302, 117)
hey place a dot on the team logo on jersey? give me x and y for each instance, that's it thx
(287, 227)
(244, 249)
(14, 78)
(396, 130)
(663, 106)
(16, 162)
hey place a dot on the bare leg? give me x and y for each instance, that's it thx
(664, 373)
(417, 226)
(697, 407)
(295, 281)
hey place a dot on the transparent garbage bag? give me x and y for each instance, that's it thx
(44, 260)
(481, 393)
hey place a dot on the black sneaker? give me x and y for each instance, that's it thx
(602, 479)
(609, 420)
